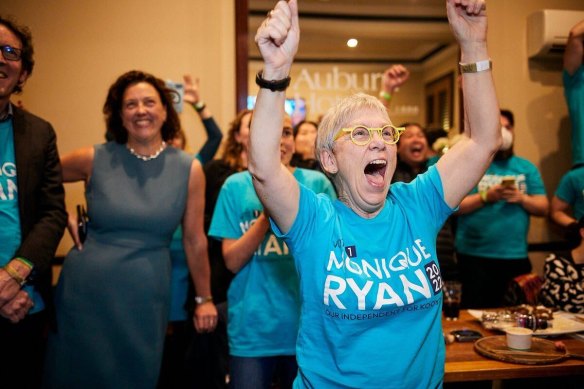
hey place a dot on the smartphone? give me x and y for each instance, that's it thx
(177, 97)
(82, 220)
(508, 181)
(466, 335)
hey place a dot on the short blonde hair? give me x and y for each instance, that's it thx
(339, 116)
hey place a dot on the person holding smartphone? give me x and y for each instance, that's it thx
(491, 236)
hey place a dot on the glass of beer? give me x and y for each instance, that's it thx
(452, 291)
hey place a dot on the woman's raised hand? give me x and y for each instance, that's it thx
(277, 39)
(468, 21)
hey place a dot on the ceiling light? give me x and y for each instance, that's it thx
(352, 42)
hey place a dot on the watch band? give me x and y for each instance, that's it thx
(199, 106)
(476, 67)
(202, 300)
(273, 85)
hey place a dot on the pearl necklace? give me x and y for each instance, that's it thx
(147, 157)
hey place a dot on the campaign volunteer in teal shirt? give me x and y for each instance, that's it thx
(574, 93)
(568, 201)
(363, 279)
(493, 222)
(370, 284)
(567, 204)
(499, 229)
(573, 79)
(263, 298)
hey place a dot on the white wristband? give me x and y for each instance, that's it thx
(475, 67)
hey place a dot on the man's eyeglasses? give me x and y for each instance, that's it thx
(361, 135)
(11, 53)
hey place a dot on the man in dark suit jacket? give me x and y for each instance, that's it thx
(32, 217)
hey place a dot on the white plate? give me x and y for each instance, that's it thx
(563, 323)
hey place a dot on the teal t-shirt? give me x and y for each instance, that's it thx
(10, 237)
(263, 298)
(571, 190)
(370, 290)
(574, 93)
(499, 230)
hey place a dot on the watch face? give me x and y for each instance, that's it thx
(201, 300)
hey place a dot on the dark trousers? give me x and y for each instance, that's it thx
(22, 351)
(207, 355)
(263, 372)
(193, 360)
(174, 365)
(486, 280)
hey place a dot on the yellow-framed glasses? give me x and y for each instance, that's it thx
(362, 135)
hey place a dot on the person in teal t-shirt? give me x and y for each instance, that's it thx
(263, 298)
(370, 284)
(573, 78)
(493, 222)
(568, 202)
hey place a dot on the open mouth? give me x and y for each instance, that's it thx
(417, 150)
(375, 172)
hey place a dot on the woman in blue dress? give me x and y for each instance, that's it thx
(112, 299)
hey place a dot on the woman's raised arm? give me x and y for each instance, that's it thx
(463, 166)
(277, 39)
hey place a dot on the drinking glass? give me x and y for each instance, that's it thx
(452, 291)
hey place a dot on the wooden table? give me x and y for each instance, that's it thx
(464, 364)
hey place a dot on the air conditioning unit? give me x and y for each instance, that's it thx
(548, 30)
